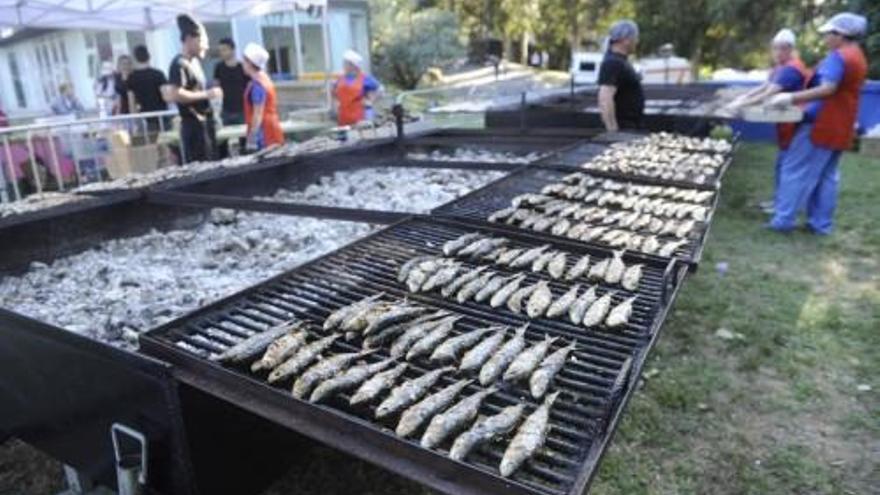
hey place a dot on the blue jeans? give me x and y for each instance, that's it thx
(808, 179)
(780, 156)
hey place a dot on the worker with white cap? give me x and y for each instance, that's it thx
(789, 74)
(809, 173)
(354, 91)
(621, 99)
(260, 102)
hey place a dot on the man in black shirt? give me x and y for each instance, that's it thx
(186, 87)
(145, 83)
(229, 75)
(621, 100)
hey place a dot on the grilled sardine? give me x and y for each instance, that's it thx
(530, 437)
(280, 349)
(631, 277)
(598, 310)
(476, 357)
(349, 379)
(452, 347)
(335, 319)
(371, 388)
(418, 413)
(471, 288)
(452, 247)
(252, 346)
(323, 370)
(540, 300)
(528, 257)
(415, 333)
(526, 362)
(432, 339)
(556, 267)
(458, 282)
(619, 316)
(501, 359)
(485, 430)
(514, 302)
(305, 356)
(579, 307)
(579, 268)
(540, 380)
(502, 294)
(561, 305)
(454, 419)
(491, 287)
(409, 392)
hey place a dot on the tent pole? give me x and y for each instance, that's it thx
(328, 65)
(298, 41)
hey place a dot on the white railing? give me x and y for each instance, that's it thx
(45, 136)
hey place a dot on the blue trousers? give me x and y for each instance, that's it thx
(780, 155)
(808, 180)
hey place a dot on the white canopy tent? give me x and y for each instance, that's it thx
(131, 14)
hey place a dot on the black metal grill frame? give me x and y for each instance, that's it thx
(362, 438)
(478, 204)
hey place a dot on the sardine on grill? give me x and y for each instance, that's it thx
(432, 339)
(482, 247)
(305, 356)
(452, 347)
(526, 362)
(421, 411)
(501, 214)
(556, 267)
(514, 302)
(471, 288)
(540, 300)
(280, 349)
(508, 256)
(598, 310)
(501, 295)
(541, 262)
(458, 282)
(252, 346)
(379, 383)
(391, 332)
(501, 359)
(561, 305)
(597, 271)
(541, 378)
(441, 277)
(394, 315)
(631, 277)
(491, 287)
(323, 370)
(480, 353)
(579, 268)
(619, 316)
(670, 248)
(454, 419)
(579, 307)
(360, 319)
(409, 392)
(452, 247)
(335, 319)
(415, 333)
(528, 257)
(349, 379)
(616, 267)
(485, 430)
(530, 437)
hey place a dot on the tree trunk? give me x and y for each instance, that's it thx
(524, 50)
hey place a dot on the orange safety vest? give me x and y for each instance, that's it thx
(272, 133)
(834, 128)
(785, 131)
(351, 99)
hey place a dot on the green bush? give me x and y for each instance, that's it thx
(419, 41)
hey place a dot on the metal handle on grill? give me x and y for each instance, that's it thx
(131, 466)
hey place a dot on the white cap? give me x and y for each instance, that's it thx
(785, 37)
(107, 68)
(847, 24)
(353, 58)
(256, 55)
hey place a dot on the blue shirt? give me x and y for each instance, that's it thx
(257, 96)
(788, 78)
(829, 71)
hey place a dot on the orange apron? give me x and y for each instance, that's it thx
(271, 125)
(351, 99)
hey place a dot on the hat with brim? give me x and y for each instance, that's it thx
(845, 23)
(257, 55)
(353, 58)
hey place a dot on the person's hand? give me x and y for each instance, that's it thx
(215, 93)
(780, 100)
(251, 144)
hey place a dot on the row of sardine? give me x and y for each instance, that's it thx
(687, 143)
(587, 308)
(659, 207)
(672, 193)
(561, 215)
(497, 250)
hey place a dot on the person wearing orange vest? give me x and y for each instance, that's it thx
(354, 91)
(809, 174)
(260, 101)
(789, 74)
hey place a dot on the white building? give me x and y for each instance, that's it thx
(34, 62)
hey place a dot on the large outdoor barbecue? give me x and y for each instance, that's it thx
(393, 300)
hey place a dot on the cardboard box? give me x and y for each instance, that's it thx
(127, 158)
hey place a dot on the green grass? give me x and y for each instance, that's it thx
(778, 410)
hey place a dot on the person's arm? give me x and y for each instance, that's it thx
(257, 97)
(606, 107)
(176, 93)
(767, 90)
(830, 73)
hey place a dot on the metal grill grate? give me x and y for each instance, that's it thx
(592, 383)
(480, 203)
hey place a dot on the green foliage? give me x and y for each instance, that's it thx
(407, 42)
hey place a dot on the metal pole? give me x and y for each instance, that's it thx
(297, 39)
(328, 65)
(30, 147)
(55, 164)
(146, 130)
(10, 167)
(522, 112)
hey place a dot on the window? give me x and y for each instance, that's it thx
(16, 81)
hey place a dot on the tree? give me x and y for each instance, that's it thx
(414, 42)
